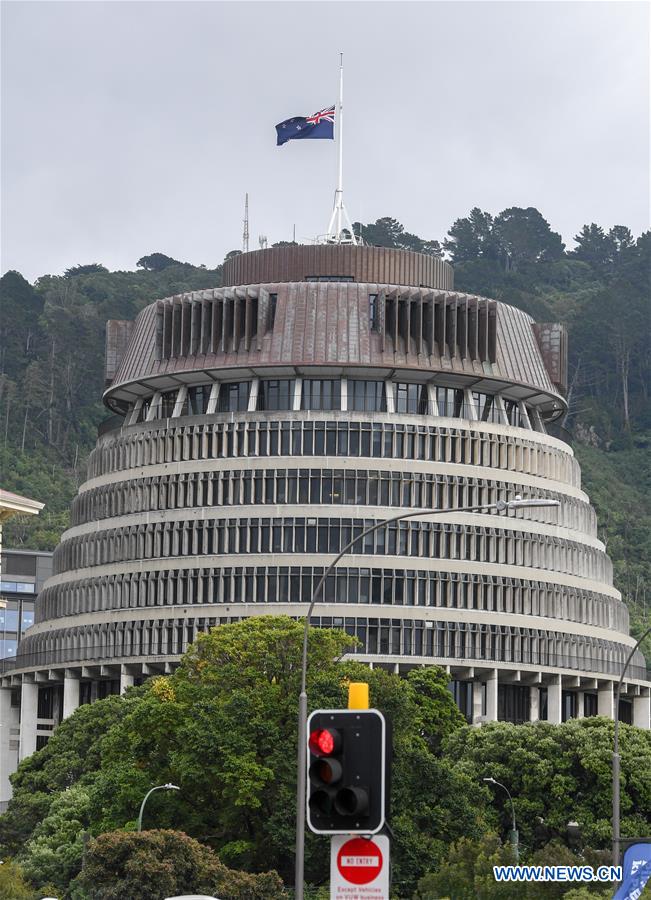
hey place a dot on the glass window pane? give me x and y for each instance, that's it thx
(234, 396)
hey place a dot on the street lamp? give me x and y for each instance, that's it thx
(500, 507)
(616, 756)
(160, 787)
(513, 835)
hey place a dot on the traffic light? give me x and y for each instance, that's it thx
(347, 789)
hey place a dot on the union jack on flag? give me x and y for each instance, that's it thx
(320, 125)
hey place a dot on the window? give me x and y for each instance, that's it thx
(450, 401)
(275, 394)
(234, 396)
(373, 312)
(367, 396)
(590, 705)
(8, 620)
(329, 278)
(411, 398)
(198, 399)
(318, 394)
(167, 403)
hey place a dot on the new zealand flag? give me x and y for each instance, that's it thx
(319, 125)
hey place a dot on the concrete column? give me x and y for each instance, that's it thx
(491, 697)
(212, 400)
(498, 403)
(253, 396)
(536, 420)
(432, 405)
(8, 757)
(28, 714)
(642, 710)
(390, 396)
(181, 397)
(534, 703)
(580, 705)
(470, 404)
(298, 392)
(126, 680)
(606, 700)
(70, 694)
(477, 704)
(344, 394)
(135, 412)
(154, 407)
(524, 415)
(555, 701)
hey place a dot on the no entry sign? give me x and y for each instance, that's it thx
(359, 868)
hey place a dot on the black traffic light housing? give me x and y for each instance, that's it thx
(348, 771)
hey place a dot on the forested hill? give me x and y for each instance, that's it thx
(52, 361)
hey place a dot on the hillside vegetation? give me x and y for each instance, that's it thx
(52, 362)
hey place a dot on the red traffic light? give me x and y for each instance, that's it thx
(324, 741)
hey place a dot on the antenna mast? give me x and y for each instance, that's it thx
(245, 233)
(340, 229)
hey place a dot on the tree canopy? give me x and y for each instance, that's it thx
(223, 728)
(156, 262)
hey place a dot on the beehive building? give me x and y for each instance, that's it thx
(259, 425)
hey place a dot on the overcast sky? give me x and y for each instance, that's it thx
(134, 127)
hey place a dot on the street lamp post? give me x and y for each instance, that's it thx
(616, 756)
(513, 834)
(301, 787)
(160, 787)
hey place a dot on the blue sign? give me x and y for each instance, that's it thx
(636, 871)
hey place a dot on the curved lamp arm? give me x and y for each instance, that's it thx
(159, 787)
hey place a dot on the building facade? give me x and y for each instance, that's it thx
(22, 575)
(260, 425)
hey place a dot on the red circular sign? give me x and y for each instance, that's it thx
(359, 861)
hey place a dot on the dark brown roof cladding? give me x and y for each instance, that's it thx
(320, 324)
(298, 262)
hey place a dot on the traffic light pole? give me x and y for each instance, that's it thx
(301, 785)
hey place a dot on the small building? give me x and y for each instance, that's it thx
(22, 575)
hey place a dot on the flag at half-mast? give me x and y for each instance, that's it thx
(319, 125)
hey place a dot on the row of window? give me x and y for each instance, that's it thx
(17, 587)
(423, 540)
(284, 584)
(391, 637)
(237, 487)
(11, 619)
(326, 394)
(215, 440)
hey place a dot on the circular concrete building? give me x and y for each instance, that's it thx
(259, 425)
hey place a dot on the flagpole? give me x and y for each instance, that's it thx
(340, 139)
(339, 217)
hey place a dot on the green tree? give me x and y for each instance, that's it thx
(20, 336)
(156, 262)
(54, 853)
(151, 865)
(560, 773)
(594, 246)
(223, 727)
(472, 238)
(13, 885)
(88, 269)
(388, 232)
(466, 873)
(524, 236)
(73, 755)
